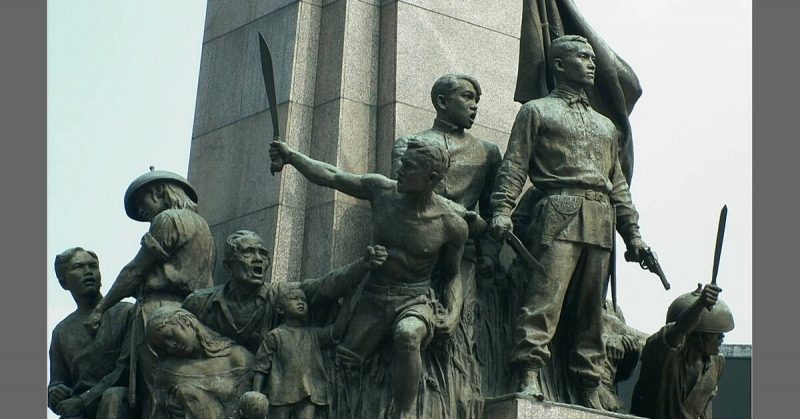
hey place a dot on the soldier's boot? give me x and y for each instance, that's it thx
(529, 384)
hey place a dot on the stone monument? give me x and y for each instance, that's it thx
(420, 325)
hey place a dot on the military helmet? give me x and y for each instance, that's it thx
(718, 320)
(151, 176)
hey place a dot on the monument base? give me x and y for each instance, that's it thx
(517, 406)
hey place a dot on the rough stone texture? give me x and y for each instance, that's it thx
(351, 76)
(344, 129)
(229, 163)
(513, 407)
(333, 231)
(443, 44)
(505, 20)
(446, 37)
(234, 160)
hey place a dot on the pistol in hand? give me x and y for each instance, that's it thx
(650, 263)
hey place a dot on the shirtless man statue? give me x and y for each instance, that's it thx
(420, 231)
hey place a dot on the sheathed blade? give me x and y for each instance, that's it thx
(269, 84)
(723, 215)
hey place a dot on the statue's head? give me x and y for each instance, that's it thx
(156, 191)
(714, 323)
(572, 60)
(246, 258)
(252, 405)
(78, 271)
(456, 97)
(173, 331)
(422, 166)
(291, 304)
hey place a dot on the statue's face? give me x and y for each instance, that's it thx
(578, 66)
(413, 175)
(711, 342)
(150, 202)
(294, 306)
(82, 276)
(176, 339)
(461, 105)
(250, 261)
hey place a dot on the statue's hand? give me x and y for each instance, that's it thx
(57, 394)
(279, 153)
(92, 324)
(71, 407)
(446, 325)
(500, 226)
(375, 256)
(709, 295)
(630, 344)
(637, 250)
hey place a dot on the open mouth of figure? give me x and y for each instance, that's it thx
(472, 116)
(90, 281)
(258, 271)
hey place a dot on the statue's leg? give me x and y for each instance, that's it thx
(114, 404)
(540, 313)
(281, 412)
(409, 334)
(365, 331)
(587, 359)
(305, 410)
(196, 403)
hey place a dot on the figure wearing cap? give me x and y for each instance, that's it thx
(176, 257)
(681, 363)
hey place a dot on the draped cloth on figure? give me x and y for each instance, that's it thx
(616, 87)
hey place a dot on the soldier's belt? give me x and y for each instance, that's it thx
(590, 194)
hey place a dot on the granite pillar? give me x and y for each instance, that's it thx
(351, 76)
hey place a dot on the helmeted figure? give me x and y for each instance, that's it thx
(681, 363)
(176, 257)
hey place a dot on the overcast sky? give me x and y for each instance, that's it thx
(122, 80)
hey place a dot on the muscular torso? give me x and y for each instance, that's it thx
(413, 240)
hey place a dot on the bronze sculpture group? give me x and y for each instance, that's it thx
(401, 337)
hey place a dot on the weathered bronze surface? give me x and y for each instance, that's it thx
(431, 320)
(402, 300)
(681, 363)
(568, 150)
(88, 373)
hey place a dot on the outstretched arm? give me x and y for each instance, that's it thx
(126, 284)
(342, 281)
(324, 174)
(450, 260)
(690, 319)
